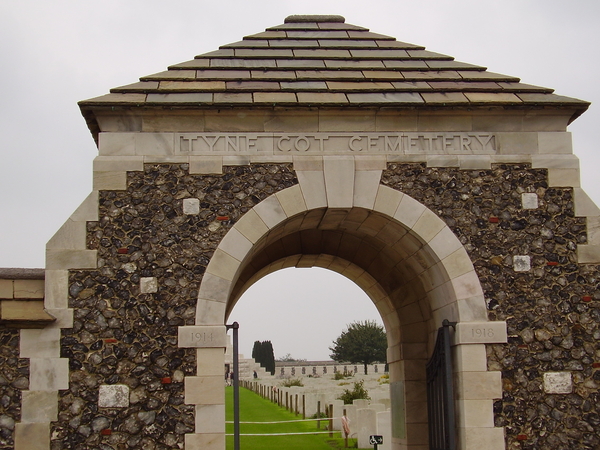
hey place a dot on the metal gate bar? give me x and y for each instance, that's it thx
(440, 393)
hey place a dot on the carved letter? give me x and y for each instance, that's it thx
(280, 142)
(484, 143)
(303, 148)
(190, 144)
(351, 144)
(211, 145)
(321, 144)
(389, 146)
(465, 143)
(230, 143)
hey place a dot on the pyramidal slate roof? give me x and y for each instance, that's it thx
(321, 61)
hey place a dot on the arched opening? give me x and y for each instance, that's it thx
(407, 261)
(301, 311)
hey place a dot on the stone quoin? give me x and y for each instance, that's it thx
(441, 189)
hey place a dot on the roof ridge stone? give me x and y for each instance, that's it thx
(314, 18)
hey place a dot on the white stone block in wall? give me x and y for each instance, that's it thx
(148, 285)
(191, 206)
(522, 263)
(113, 396)
(558, 383)
(529, 200)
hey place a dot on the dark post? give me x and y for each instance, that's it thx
(319, 415)
(330, 414)
(236, 387)
(303, 407)
(345, 434)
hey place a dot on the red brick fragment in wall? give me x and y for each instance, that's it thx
(123, 251)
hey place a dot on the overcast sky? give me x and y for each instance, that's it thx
(55, 53)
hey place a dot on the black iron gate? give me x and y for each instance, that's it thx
(440, 393)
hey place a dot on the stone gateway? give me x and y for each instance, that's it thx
(443, 190)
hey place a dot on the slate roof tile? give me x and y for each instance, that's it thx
(192, 86)
(323, 61)
(275, 97)
(385, 97)
(316, 98)
(444, 98)
(273, 75)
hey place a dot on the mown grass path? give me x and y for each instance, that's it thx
(254, 408)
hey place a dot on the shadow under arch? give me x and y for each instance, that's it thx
(400, 253)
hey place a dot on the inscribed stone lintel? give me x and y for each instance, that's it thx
(202, 336)
(480, 333)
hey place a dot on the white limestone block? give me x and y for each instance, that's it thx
(48, 374)
(339, 180)
(154, 143)
(201, 336)
(251, 226)
(210, 418)
(148, 285)
(39, 406)
(71, 259)
(521, 263)
(113, 396)
(312, 183)
(366, 185)
(270, 211)
(32, 436)
(387, 200)
(206, 390)
(210, 312)
(204, 441)
(191, 206)
(223, 265)
(40, 343)
(110, 144)
(584, 205)
(204, 165)
(555, 142)
(56, 289)
(292, 201)
(529, 200)
(558, 383)
(480, 333)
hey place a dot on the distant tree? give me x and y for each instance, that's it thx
(262, 352)
(289, 358)
(362, 342)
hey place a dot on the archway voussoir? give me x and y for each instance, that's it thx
(457, 263)
(428, 225)
(467, 285)
(292, 201)
(235, 244)
(408, 212)
(270, 211)
(387, 200)
(366, 184)
(223, 265)
(444, 243)
(312, 184)
(252, 226)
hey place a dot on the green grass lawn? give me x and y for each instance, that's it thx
(254, 408)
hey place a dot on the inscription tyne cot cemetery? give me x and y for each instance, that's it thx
(387, 143)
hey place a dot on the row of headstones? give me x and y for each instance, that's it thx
(365, 418)
(326, 369)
